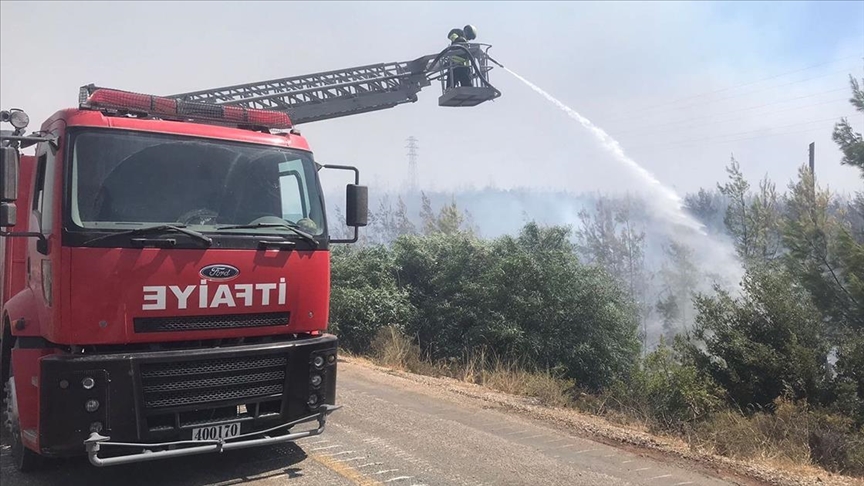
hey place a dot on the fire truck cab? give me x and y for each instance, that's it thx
(165, 282)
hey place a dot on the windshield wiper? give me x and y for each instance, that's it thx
(162, 228)
(287, 225)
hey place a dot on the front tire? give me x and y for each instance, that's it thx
(25, 459)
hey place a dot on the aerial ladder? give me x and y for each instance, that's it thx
(362, 89)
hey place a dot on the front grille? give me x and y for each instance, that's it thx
(212, 380)
(204, 323)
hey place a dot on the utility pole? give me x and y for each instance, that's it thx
(412, 163)
(812, 159)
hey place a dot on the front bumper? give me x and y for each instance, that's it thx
(151, 399)
(192, 447)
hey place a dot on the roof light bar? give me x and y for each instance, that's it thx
(92, 97)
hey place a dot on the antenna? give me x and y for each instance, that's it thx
(412, 162)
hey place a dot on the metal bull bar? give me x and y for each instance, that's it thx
(181, 448)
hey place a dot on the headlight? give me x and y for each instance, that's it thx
(315, 380)
(313, 399)
(19, 119)
(318, 361)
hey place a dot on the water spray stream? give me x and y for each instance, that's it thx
(670, 204)
(716, 255)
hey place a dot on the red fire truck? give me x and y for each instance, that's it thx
(166, 271)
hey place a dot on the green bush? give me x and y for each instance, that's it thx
(525, 299)
(365, 296)
(764, 344)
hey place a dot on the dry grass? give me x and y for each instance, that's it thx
(392, 349)
(792, 434)
(547, 388)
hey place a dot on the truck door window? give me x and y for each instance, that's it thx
(43, 191)
(295, 198)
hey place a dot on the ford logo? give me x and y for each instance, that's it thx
(219, 272)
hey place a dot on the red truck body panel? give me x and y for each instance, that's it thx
(108, 288)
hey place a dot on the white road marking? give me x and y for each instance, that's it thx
(584, 451)
(339, 453)
(400, 478)
(627, 462)
(660, 477)
(682, 484)
(352, 459)
(641, 469)
(324, 448)
(384, 471)
(371, 464)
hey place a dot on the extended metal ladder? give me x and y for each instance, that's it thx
(352, 91)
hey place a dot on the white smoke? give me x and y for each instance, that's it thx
(715, 256)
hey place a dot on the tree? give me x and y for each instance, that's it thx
(850, 263)
(404, 226)
(737, 217)
(383, 229)
(823, 255)
(850, 142)
(365, 295)
(427, 216)
(450, 219)
(525, 299)
(709, 207)
(763, 345)
(679, 276)
(610, 238)
(753, 221)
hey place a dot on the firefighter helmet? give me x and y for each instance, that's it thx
(470, 32)
(455, 34)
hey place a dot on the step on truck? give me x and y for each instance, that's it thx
(165, 263)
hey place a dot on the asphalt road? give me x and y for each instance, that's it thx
(395, 431)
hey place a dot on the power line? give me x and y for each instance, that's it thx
(729, 88)
(650, 130)
(739, 95)
(754, 107)
(660, 148)
(718, 138)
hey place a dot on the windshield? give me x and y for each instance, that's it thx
(127, 180)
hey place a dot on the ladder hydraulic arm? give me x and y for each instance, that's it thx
(361, 89)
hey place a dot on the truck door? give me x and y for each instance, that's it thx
(39, 268)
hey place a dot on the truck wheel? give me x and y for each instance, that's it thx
(25, 459)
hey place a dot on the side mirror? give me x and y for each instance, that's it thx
(356, 205)
(8, 185)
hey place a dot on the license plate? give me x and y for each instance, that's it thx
(214, 432)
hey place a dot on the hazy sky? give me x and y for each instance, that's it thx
(681, 85)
